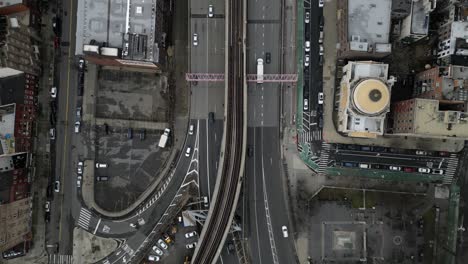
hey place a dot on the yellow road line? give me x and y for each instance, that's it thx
(64, 152)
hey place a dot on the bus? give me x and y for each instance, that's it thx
(259, 70)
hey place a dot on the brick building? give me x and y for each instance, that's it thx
(442, 83)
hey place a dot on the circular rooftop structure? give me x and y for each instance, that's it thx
(371, 96)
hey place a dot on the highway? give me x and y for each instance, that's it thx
(264, 193)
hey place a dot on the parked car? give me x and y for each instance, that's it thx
(78, 183)
(424, 170)
(205, 201)
(77, 126)
(81, 64)
(348, 164)
(364, 166)
(444, 153)
(52, 133)
(320, 60)
(284, 229)
(321, 37)
(421, 152)
(162, 244)
(321, 50)
(438, 171)
(157, 250)
(78, 113)
(57, 186)
(53, 92)
(102, 178)
(195, 39)
(320, 3)
(101, 165)
(409, 169)
(306, 104)
(307, 46)
(47, 206)
(307, 60)
(153, 258)
(307, 17)
(191, 234)
(80, 167)
(395, 168)
(321, 22)
(191, 245)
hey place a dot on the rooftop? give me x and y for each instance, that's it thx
(369, 21)
(430, 120)
(117, 22)
(7, 130)
(419, 18)
(12, 89)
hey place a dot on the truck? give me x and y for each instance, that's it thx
(164, 138)
(259, 70)
(91, 49)
(112, 52)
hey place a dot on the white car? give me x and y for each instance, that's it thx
(364, 166)
(153, 258)
(307, 60)
(187, 152)
(191, 245)
(191, 234)
(80, 167)
(78, 183)
(395, 168)
(320, 3)
(421, 152)
(77, 126)
(52, 133)
(53, 92)
(81, 64)
(306, 104)
(321, 49)
(210, 11)
(191, 128)
(157, 250)
(101, 165)
(424, 170)
(320, 98)
(195, 39)
(307, 46)
(307, 17)
(162, 244)
(284, 229)
(57, 186)
(47, 206)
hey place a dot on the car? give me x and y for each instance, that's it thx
(321, 37)
(57, 186)
(307, 60)
(444, 154)
(366, 148)
(80, 167)
(53, 92)
(364, 166)
(284, 229)
(56, 42)
(307, 46)
(348, 164)
(162, 244)
(77, 126)
(211, 117)
(52, 133)
(188, 151)
(168, 238)
(78, 113)
(306, 104)
(191, 245)
(320, 98)
(438, 171)
(395, 168)
(191, 128)
(321, 49)
(320, 121)
(78, 183)
(205, 201)
(409, 169)
(421, 152)
(424, 170)
(321, 22)
(210, 11)
(307, 17)
(268, 57)
(47, 206)
(158, 250)
(81, 64)
(320, 3)
(153, 258)
(320, 60)
(47, 217)
(250, 151)
(191, 234)
(101, 165)
(195, 39)
(230, 247)
(102, 178)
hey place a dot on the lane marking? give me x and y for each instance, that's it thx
(97, 226)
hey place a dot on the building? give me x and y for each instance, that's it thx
(429, 118)
(453, 40)
(32, 8)
(364, 28)
(18, 46)
(18, 98)
(442, 83)
(117, 24)
(416, 25)
(364, 99)
(15, 224)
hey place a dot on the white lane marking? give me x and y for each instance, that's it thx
(207, 162)
(97, 226)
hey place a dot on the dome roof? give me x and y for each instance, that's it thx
(371, 96)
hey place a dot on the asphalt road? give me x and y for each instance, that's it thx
(264, 202)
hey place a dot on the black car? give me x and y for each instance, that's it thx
(321, 23)
(57, 25)
(211, 117)
(268, 57)
(320, 122)
(250, 151)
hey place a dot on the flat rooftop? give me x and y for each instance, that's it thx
(112, 21)
(419, 18)
(369, 20)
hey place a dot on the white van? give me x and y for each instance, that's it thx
(101, 165)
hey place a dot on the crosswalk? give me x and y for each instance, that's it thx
(324, 157)
(60, 259)
(84, 219)
(451, 169)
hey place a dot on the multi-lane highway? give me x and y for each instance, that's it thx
(264, 194)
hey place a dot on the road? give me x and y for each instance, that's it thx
(264, 199)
